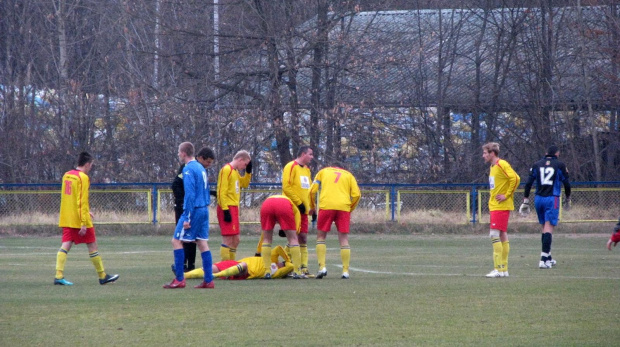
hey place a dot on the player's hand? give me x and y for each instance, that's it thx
(302, 208)
(314, 216)
(281, 233)
(525, 207)
(248, 167)
(213, 193)
(227, 216)
(82, 231)
(609, 243)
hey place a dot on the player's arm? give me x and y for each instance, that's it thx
(190, 193)
(565, 180)
(83, 203)
(316, 184)
(356, 194)
(287, 186)
(244, 181)
(531, 178)
(513, 178)
(223, 182)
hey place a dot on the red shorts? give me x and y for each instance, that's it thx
(72, 234)
(304, 224)
(277, 210)
(229, 228)
(225, 264)
(499, 220)
(341, 218)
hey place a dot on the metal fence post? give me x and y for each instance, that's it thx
(474, 204)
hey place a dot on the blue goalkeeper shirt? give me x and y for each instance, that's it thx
(196, 186)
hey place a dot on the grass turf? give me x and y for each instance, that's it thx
(404, 290)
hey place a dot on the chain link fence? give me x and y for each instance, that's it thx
(587, 205)
(154, 203)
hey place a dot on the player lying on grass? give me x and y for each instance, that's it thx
(250, 267)
(615, 237)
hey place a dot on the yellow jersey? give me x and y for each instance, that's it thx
(337, 188)
(74, 207)
(502, 180)
(296, 182)
(229, 184)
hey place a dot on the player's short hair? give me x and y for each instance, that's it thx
(84, 158)
(303, 150)
(491, 147)
(206, 153)
(187, 148)
(242, 154)
(552, 150)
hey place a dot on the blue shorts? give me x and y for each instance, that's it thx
(199, 226)
(547, 209)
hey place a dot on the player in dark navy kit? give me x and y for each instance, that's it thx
(549, 173)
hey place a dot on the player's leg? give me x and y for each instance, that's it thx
(190, 256)
(302, 237)
(267, 223)
(343, 221)
(179, 257)
(295, 254)
(61, 258)
(497, 253)
(207, 264)
(324, 223)
(265, 250)
(503, 236)
(93, 252)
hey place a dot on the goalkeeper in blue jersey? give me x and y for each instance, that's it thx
(550, 174)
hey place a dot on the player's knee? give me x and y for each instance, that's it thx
(494, 233)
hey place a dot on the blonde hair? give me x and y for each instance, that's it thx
(242, 154)
(492, 147)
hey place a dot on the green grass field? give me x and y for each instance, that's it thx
(404, 290)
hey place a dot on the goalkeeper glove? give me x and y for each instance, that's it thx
(314, 217)
(302, 208)
(567, 204)
(213, 192)
(281, 233)
(227, 216)
(248, 167)
(525, 207)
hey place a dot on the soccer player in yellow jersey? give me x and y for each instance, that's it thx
(338, 197)
(296, 181)
(76, 220)
(229, 184)
(250, 267)
(503, 181)
(280, 209)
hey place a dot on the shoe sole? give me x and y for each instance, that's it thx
(320, 275)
